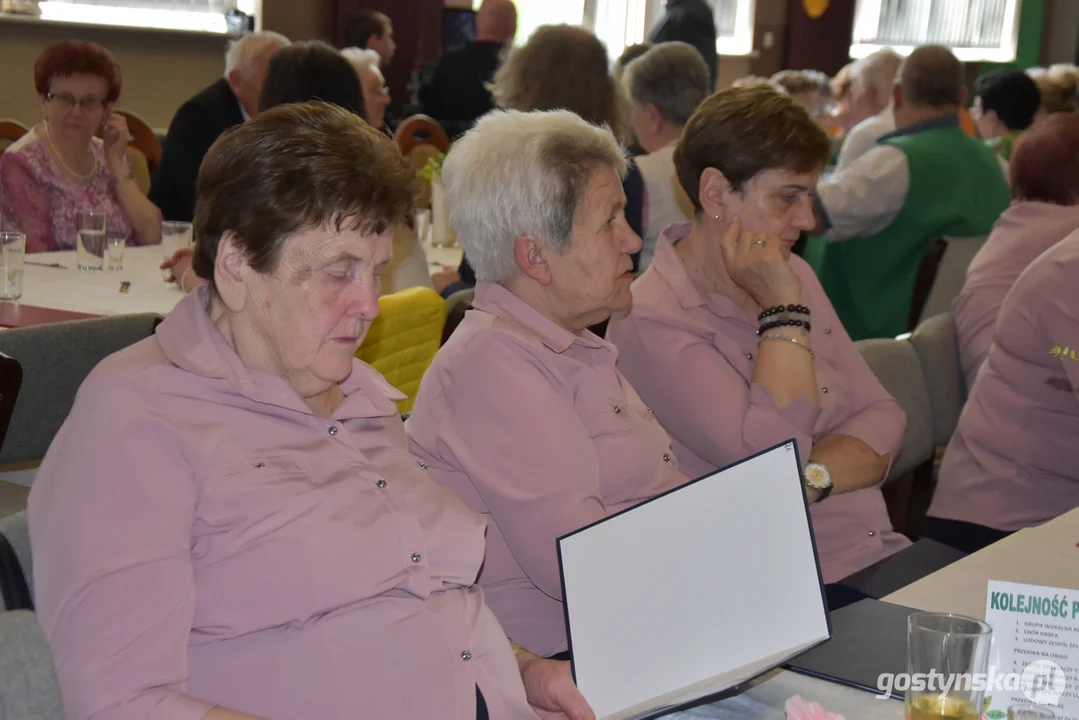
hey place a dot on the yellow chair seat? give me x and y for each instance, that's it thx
(404, 338)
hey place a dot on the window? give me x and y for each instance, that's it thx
(976, 30)
(533, 13)
(618, 23)
(191, 15)
(734, 26)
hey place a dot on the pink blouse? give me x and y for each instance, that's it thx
(691, 359)
(38, 200)
(535, 427)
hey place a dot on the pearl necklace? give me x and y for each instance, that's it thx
(60, 156)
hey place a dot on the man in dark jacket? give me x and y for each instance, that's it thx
(693, 22)
(200, 120)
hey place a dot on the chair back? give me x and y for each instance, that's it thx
(404, 338)
(143, 138)
(55, 359)
(950, 275)
(16, 564)
(11, 130)
(10, 383)
(140, 168)
(923, 283)
(895, 363)
(456, 306)
(937, 345)
(420, 130)
(28, 686)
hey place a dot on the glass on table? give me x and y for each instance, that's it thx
(174, 236)
(12, 254)
(114, 252)
(947, 656)
(90, 239)
(1029, 711)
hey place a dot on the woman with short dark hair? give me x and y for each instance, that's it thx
(60, 168)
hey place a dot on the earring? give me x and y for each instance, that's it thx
(715, 217)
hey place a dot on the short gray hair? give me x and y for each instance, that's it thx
(362, 57)
(932, 76)
(243, 51)
(877, 71)
(672, 76)
(522, 174)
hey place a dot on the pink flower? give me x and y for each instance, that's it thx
(799, 709)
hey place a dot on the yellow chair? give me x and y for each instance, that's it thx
(404, 338)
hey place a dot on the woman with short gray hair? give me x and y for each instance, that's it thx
(664, 85)
(523, 414)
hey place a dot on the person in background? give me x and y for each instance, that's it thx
(523, 414)
(869, 110)
(1045, 208)
(250, 478)
(458, 93)
(631, 53)
(376, 96)
(201, 120)
(731, 339)
(926, 180)
(693, 22)
(1005, 104)
(665, 86)
(812, 90)
(371, 30)
(59, 168)
(840, 85)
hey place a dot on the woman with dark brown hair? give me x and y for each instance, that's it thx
(60, 168)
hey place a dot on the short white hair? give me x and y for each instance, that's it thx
(362, 57)
(242, 52)
(877, 71)
(520, 174)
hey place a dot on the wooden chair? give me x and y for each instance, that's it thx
(420, 130)
(11, 131)
(923, 284)
(10, 382)
(143, 138)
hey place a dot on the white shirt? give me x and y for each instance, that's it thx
(666, 203)
(864, 136)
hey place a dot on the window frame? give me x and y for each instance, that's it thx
(200, 22)
(741, 43)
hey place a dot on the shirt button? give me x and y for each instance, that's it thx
(617, 409)
(333, 430)
(423, 466)
(827, 329)
(381, 483)
(666, 457)
(749, 356)
(872, 533)
(651, 411)
(416, 557)
(466, 655)
(824, 389)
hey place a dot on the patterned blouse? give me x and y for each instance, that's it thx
(40, 201)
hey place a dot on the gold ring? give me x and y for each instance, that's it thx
(758, 241)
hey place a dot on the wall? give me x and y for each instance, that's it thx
(160, 69)
(298, 19)
(1060, 41)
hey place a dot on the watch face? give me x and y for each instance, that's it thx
(817, 476)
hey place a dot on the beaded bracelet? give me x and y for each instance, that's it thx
(781, 308)
(783, 323)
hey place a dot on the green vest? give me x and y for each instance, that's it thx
(956, 189)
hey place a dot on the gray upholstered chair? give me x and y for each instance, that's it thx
(28, 686)
(55, 359)
(937, 345)
(16, 532)
(951, 274)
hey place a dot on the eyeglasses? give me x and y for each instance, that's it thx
(67, 101)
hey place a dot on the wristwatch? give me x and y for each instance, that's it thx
(818, 478)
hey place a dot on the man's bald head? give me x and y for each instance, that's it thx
(496, 21)
(932, 77)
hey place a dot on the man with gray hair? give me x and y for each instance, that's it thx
(199, 121)
(926, 180)
(664, 85)
(870, 109)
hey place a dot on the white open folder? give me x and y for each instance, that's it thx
(695, 591)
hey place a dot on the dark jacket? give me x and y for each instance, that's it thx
(693, 22)
(458, 94)
(195, 127)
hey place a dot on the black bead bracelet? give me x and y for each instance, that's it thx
(783, 308)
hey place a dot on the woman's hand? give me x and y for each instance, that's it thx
(179, 266)
(550, 688)
(755, 263)
(117, 137)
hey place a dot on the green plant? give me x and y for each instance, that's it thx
(432, 167)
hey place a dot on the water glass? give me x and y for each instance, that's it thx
(90, 240)
(114, 252)
(947, 658)
(174, 236)
(1028, 711)
(12, 253)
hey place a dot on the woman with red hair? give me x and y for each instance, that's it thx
(60, 168)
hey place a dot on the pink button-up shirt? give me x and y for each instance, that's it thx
(691, 359)
(1024, 231)
(201, 538)
(1011, 463)
(534, 426)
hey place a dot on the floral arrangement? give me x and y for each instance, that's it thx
(432, 167)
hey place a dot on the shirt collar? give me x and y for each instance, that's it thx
(500, 302)
(191, 340)
(938, 123)
(669, 266)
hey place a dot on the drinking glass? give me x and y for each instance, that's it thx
(12, 252)
(90, 240)
(174, 236)
(114, 252)
(947, 658)
(1029, 711)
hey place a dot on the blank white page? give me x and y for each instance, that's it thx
(693, 587)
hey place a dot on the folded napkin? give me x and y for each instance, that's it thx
(799, 709)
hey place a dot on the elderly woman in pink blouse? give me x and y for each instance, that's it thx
(1045, 189)
(733, 342)
(59, 168)
(523, 414)
(1011, 463)
(229, 525)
